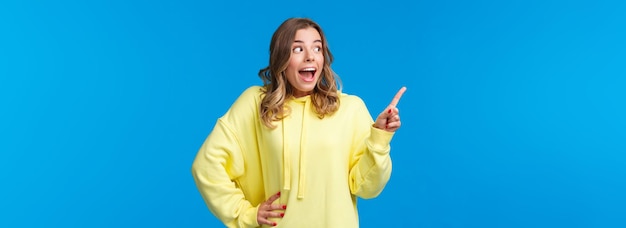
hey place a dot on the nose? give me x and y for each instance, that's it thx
(310, 57)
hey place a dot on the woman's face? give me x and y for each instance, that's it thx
(306, 61)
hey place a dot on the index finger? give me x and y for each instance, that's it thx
(273, 198)
(396, 98)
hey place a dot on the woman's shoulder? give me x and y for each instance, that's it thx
(351, 100)
(252, 91)
(251, 94)
(248, 99)
(349, 97)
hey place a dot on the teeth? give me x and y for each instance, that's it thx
(308, 69)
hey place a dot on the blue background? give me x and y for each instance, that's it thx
(514, 114)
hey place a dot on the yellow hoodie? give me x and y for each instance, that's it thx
(319, 165)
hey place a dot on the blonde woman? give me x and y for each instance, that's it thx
(295, 152)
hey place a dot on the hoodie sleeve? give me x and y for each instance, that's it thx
(370, 163)
(226, 170)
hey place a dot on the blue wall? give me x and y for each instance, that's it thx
(514, 116)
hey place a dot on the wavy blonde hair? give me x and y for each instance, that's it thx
(276, 89)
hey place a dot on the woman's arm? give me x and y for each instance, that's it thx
(370, 167)
(216, 169)
(227, 169)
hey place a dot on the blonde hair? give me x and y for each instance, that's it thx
(276, 89)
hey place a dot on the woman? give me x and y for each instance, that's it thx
(295, 152)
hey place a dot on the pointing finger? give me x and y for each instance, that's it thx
(396, 98)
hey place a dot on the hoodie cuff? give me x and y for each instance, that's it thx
(248, 218)
(380, 139)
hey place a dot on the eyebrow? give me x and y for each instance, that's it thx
(300, 41)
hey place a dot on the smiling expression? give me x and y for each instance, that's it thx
(305, 62)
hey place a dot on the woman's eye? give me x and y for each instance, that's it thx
(297, 49)
(317, 49)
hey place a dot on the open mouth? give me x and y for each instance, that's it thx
(307, 74)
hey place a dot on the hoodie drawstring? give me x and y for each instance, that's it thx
(301, 180)
(301, 148)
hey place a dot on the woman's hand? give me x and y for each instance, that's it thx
(266, 210)
(389, 119)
